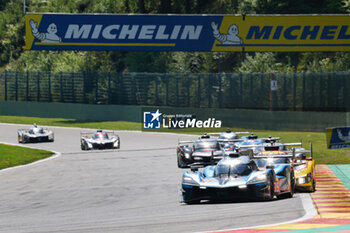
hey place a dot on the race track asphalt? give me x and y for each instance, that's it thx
(134, 189)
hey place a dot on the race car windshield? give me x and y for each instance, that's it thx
(100, 136)
(206, 145)
(233, 169)
(228, 136)
(269, 161)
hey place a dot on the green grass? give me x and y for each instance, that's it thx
(116, 125)
(11, 156)
(321, 153)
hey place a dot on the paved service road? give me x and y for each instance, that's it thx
(134, 189)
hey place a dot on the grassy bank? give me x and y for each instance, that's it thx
(321, 153)
(11, 156)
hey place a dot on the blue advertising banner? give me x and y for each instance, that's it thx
(338, 137)
(45, 31)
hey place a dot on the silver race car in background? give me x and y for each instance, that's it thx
(99, 140)
(204, 151)
(35, 134)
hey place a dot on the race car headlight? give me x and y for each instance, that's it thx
(89, 145)
(187, 155)
(188, 180)
(304, 179)
(258, 179)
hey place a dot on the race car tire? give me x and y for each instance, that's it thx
(180, 162)
(272, 188)
(83, 146)
(20, 140)
(188, 198)
(313, 189)
(290, 194)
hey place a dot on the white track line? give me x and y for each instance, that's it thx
(55, 155)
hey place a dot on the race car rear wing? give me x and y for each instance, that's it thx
(289, 154)
(230, 140)
(293, 144)
(185, 142)
(218, 133)
(109, 132)
(306, 151)
(27, 130)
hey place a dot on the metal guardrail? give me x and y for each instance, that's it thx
(295, 91)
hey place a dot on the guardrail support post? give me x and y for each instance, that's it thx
(5, 85)
(49, 87)
(38, 87)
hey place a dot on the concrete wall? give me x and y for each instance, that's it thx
(254, 119)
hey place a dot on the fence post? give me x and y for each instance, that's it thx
(167, 91)
(209, 92)
(49, 87)
(199, 92)
(188, 92)
(345, 98)
(294, 91)
(312, 91)
(61, 87)
(303, 92)
(121, 88)
(241, 90)
(16, 86)
(220, 90)
(251, 99)
(321, 95)
(5, 85)
(157, 97)
(84, 88)
(96, 90)
(27, 86)
(109, 88)
(177, 91)
(38, 87)
(73, 91)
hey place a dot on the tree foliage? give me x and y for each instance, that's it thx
(13, 57)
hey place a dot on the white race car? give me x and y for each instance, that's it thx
(35, 134)
(99, 140)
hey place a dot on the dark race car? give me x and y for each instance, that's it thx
(99, 140)
(237, 176)
(204, 151)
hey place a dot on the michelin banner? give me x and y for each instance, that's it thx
(338, 137)
(45, 31)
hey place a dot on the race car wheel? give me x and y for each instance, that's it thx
(20, 139)
(188, 198)
(292, 187)
(313, 189)
(180, 162)
(83, 146)
(272, 189)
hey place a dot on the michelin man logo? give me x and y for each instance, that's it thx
(49, 37)
(231, 38)
(344, 138)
